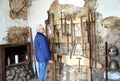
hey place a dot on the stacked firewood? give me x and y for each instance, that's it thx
(18, 34)
(18, 74)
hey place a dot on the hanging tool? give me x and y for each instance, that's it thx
(71, 30)
(46, 28)
(66, 33)
(82, 35)
(48, 13)
(73, 48)
(85, 42)
(68, 40)
(62, 22)
(59, 59)
(58, 35)
(53, 24)
(65, 25)
(73, 43)
(79, 64)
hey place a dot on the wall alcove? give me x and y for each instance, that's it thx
(14, 55)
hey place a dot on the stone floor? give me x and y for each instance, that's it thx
(34, 80)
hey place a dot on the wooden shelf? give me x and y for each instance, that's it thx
(17, 64)
(112, 69)
(75, 21)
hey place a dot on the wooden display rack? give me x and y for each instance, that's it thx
(85, 38)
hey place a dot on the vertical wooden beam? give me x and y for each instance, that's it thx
(106, 62)
(2, 65)
(89, 41)
(32, 54)
(90, 66)
(54, 63)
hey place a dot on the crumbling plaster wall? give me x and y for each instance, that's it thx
(6, 21)
(36, 15)
(108, 8)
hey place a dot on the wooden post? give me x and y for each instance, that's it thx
(32, 53)
(106, 63)
(90, 66)
(2, 65)
(54, 63)
(89, 41)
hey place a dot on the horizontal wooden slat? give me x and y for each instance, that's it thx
(74, 61)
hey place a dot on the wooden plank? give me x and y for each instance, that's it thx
(74, 61)
(62, 39)
(89, 74)
(77, 20)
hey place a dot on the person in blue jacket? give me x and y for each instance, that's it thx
(42, 51)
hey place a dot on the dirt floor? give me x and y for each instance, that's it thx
(49, 74)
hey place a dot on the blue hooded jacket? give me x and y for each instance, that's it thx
(42, 48)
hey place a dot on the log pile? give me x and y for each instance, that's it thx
(21, 73)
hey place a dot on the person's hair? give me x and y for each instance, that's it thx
(39, 27)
